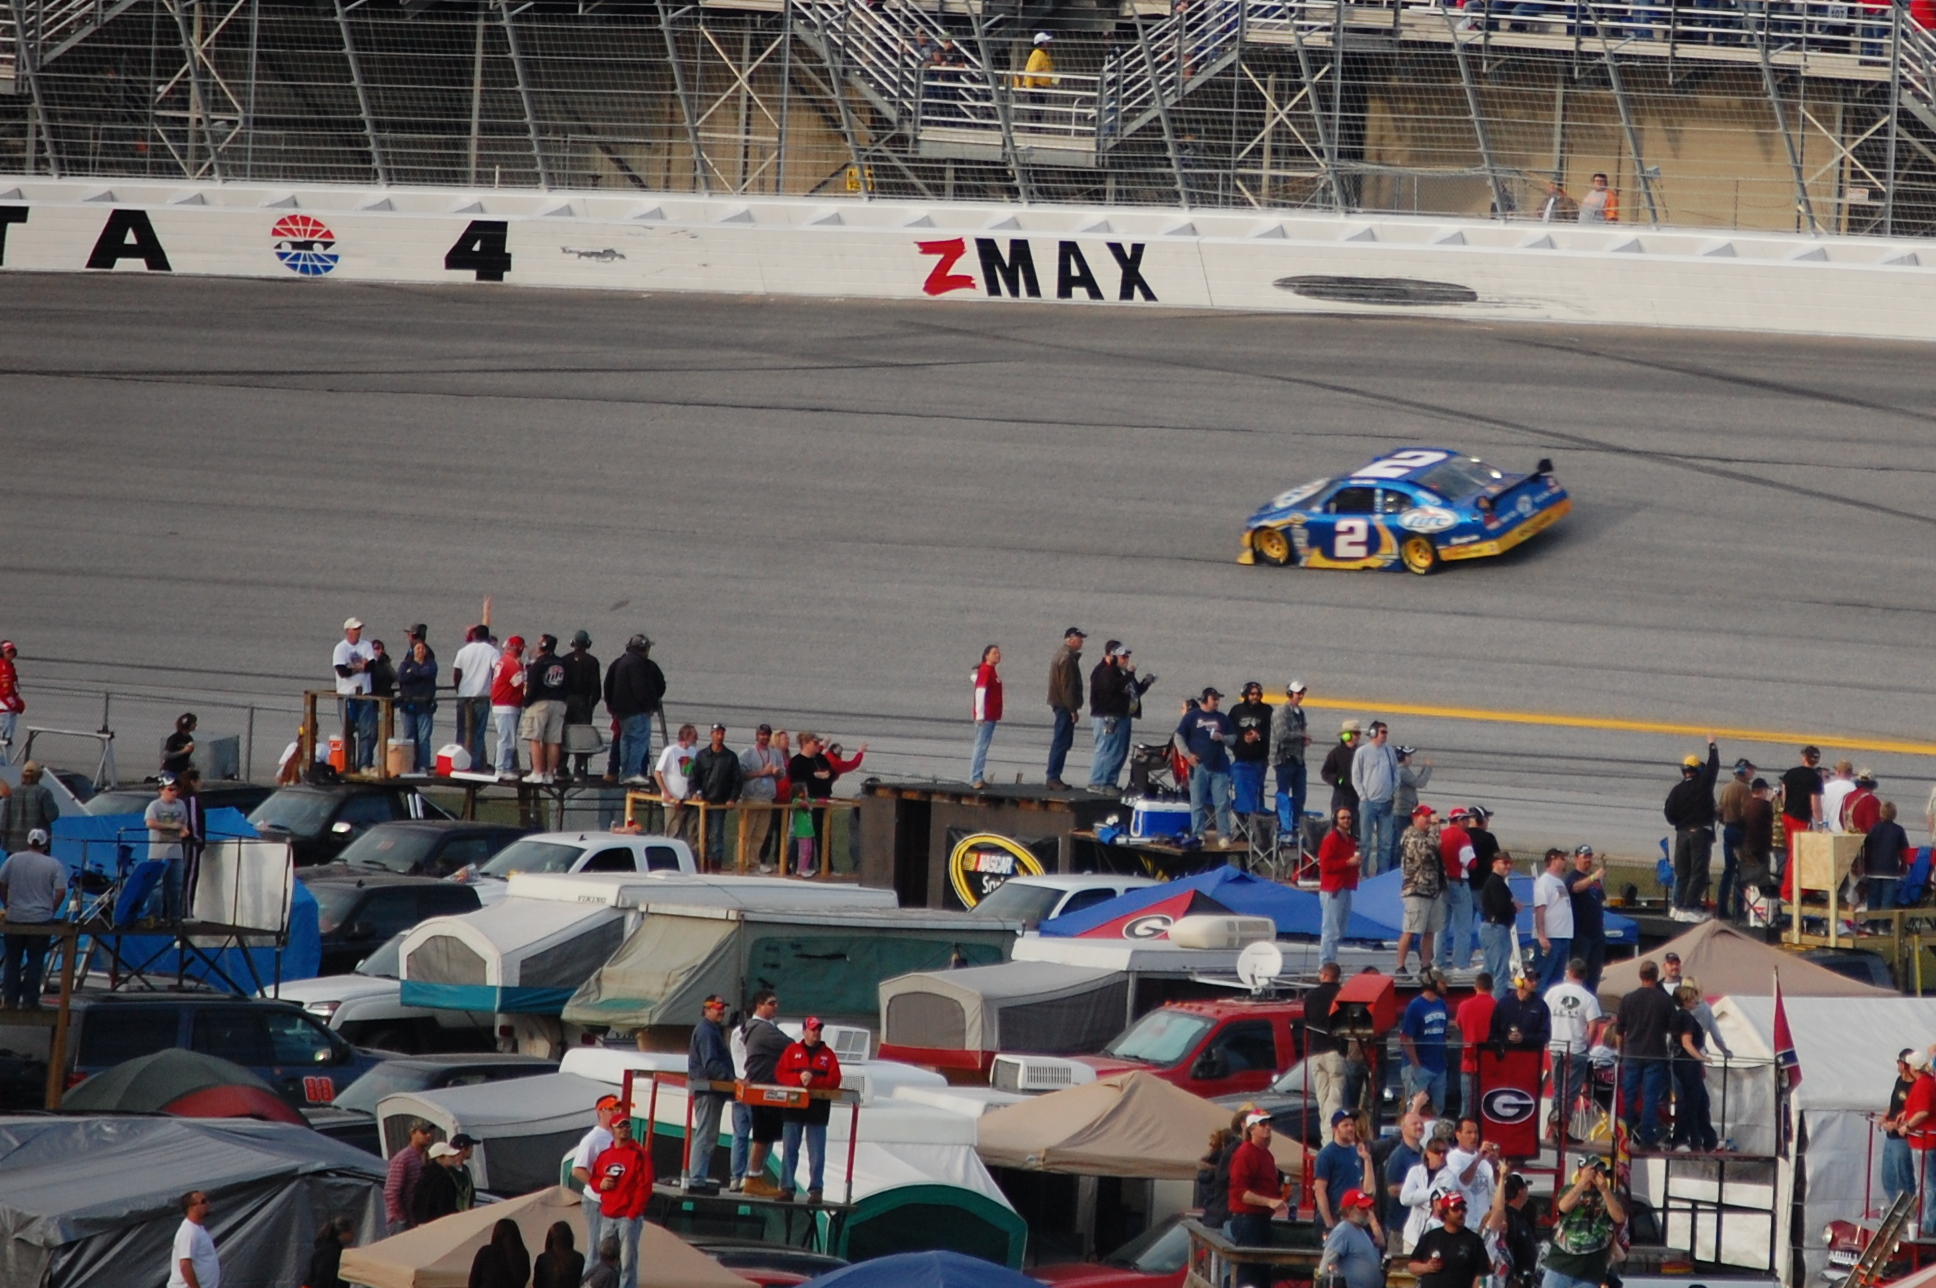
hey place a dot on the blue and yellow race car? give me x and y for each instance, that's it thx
(1413, 509)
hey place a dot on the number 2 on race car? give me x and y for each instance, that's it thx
(1399, 464)
(1352, 539)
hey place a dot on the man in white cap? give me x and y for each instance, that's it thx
(1289, 737)
(1038, 77)
(1918, 1125)
(351, 662)
(32, 884)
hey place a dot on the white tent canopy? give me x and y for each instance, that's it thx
(521, 956)
(1044, 1007)
(524, 1125)
(638, 890)
(1846, 1048)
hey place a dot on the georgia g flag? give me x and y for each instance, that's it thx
(1785, 1058)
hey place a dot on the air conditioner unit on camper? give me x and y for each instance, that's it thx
(851, 1045)
(1029, 1073)
(1216, 930)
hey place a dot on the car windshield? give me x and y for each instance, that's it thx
(333, 903)
(1292, 1079)
(1461, 476)
(387, 961)
(1013, 901)
(532, 856)
(1160, 1038)
(395, 849)
(298, 812)
(387, 1079)
(1160, 1250)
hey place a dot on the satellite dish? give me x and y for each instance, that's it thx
(1258, 964)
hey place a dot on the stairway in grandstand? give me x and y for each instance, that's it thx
(51, 28)
(966, 112)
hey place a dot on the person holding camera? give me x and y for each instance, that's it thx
(1582, 1242)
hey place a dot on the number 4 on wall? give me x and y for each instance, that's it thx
(481, 249)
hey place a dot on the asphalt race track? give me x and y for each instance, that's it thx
(822, 510)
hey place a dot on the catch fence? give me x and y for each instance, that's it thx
(1809, 115)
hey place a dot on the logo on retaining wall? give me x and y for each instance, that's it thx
(1014, 272)
(304, 245)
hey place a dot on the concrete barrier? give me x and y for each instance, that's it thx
(960, 253)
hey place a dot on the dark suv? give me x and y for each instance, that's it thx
(290, 1050)
(427, 847)
(360, 909)
(319, 821)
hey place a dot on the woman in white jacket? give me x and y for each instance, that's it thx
(1418, 1192)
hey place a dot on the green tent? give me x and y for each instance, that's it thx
(829, 964)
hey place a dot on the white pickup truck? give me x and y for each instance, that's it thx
(555, 852)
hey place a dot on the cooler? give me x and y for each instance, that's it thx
(1158, 820)
(452, 758)
(402, 756)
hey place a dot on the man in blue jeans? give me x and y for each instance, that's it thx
(634, 689)
(1374, 776)
(1553, 920)
(1250, 723)
(1065, 701)
(1289, 738)
(1641, 1029)
(1206, 736)
(1421, 1034)
(1498, 912)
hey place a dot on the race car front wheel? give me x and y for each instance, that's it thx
(1272, 546)
(1420, 555)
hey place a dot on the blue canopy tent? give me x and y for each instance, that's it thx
(1378, 898)
(1227, 889)
(110, 846)
(924, 1270)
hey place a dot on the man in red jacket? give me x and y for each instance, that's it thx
(808, 1063)
(11, 703)
(624, 1176)
(1256, 1195)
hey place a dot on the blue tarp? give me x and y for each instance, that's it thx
(1378, 899)
(95, 839)
(1295, 911)
(924, 1270)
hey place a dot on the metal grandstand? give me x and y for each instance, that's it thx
(1811, 115)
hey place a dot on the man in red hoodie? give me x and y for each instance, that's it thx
(1256, 1195)
(624, 1177)
(808, 1063)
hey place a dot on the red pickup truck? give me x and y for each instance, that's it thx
(1213, 1048)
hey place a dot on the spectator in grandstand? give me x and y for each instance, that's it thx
(1065, 700)
(1374, 777)
(178, 753)
(674, 775)
(634, 689)
(1863, 808)
(811, 774)
(1410, 779)
(351, 663)
(1336, 770)
(716, 780)
(1586, 891)
(1882, 858)
(1038, 77)
(1206, 736)
(417, 694)
(1338, 869)
(12, 704)
(988, 712)
(1835, 794)
(1289, 738)
(1115, 704)
(1689, 810)
(26, 807)
(1250, 722)
(543, 722)
(507, 704)
(382, 672)
(1455, 849)
(1422, 890)
(1498, 911)
(471, 672)
(761, 766)
(1601, 205)
(1557, 207)
(582, 692)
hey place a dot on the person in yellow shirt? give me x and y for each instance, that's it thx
(1037, 77)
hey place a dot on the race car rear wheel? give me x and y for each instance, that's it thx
(1271, 545)
(1420, 555)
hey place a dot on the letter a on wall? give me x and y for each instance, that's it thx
(128, 235)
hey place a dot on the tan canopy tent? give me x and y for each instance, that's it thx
(1725, 961)
(1133, 1124)
(439, 1255)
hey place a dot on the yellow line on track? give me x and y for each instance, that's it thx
(1561, 721)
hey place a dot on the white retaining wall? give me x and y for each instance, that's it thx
(963, 253)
